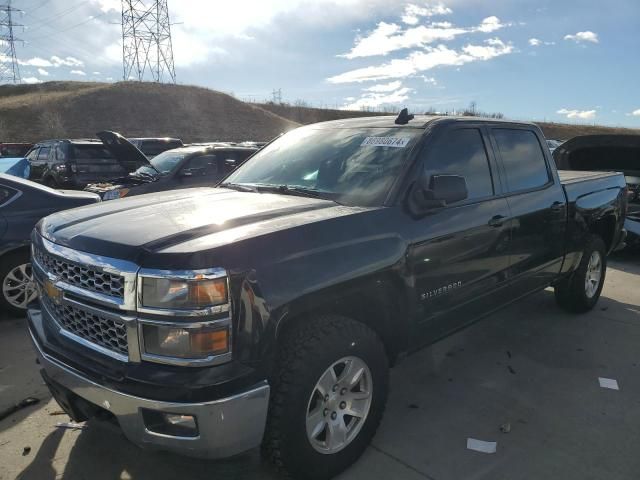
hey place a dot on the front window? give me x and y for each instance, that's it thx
(353, 166)
(163, 163)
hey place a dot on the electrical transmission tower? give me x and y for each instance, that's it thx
(9, 68)
(276, 96)
(146, 41)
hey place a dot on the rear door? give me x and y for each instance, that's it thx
(42, 161)
(459, 256)
(537, 205)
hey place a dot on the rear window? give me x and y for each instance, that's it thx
(522, 158)
(89, 152)
(152, 148)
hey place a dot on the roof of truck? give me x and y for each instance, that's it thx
(419, 121)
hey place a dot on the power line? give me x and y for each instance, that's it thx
(147, 49)
(9, 67)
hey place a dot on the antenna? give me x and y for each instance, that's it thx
(146, 41)
(9, 67)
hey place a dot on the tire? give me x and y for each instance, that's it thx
(15, 291)
(306, 355)
(51, 183)
(573, 294)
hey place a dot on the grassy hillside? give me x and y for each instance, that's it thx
(78, 109)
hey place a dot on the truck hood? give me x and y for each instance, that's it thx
(127, 155)
(131, 228)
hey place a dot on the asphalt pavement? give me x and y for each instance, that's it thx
(526, 378)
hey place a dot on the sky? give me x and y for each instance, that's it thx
(565, 60)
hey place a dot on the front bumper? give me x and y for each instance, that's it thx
(226, 426)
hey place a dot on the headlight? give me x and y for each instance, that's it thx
(195, 293)
(190, 322)
(183, 342)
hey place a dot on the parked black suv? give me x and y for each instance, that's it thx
(267, 311)
(186, 167)
(73, 164)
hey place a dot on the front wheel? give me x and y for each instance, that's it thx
(328, 396)
(18, 288)
(581, 291)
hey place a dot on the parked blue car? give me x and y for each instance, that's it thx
(18, 167)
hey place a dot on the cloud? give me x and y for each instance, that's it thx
(389, 37)
(412, 13)
(54, 61)
(579, 114)
(581, 37)
(636, 113)
(536, 42)
(36, 62)
(31, 80)
(374, 99)
(421, 61)
(78, 72)
(43, 72)
(490, 24)
(385, 87)
(66, 62)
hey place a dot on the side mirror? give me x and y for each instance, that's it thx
(436, 192)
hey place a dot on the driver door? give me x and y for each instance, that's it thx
(459, 255)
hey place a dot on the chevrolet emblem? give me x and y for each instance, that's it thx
(53, 292)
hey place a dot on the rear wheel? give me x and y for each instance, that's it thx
(18, 288)
(327, 397)
(581, 292)
(51, 183)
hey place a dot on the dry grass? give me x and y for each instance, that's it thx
(34, 112)
(31, 113)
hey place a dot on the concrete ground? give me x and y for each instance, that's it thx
(530, 366)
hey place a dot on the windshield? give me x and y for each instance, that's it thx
(350, 166)
(163, 163)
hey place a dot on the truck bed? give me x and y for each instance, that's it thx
(575, 176)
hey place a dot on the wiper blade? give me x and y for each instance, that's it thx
(295, 190)
(239, 187)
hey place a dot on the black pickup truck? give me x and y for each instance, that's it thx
(268, 310)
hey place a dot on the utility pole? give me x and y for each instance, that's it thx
(9, 67)
(147, 49)
(276, 96)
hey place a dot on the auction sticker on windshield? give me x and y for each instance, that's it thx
(396, 142)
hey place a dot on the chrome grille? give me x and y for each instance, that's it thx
(105, 332)
(80, 275)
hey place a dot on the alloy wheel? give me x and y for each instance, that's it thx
(339, 405)
(18, 287)
(594, 274)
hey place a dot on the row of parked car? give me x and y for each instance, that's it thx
(52, 175)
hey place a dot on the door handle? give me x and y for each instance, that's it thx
(497, 221)
(557, 207)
